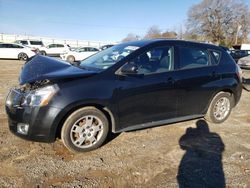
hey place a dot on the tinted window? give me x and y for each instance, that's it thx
(156, 60)
(82, 50)
(4, 45)
(36, 42)
(193, 57)
(15, 46)
(93, 49)
(52, 46)
(24, 42)
(60, 45)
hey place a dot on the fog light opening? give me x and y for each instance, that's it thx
(22, 128)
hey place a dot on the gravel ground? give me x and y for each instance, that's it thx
(166, 156)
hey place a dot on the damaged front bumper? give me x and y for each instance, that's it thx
(37, 123)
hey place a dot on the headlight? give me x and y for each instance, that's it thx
(40, 97)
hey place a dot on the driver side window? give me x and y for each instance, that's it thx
(156, 60)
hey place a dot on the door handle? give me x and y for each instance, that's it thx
(214, 74)
(170, 80)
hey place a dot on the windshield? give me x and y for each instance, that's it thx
(108, 57)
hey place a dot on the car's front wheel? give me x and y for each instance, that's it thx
(220, 107)
(71, 59)
(23, 56)
(85, 129)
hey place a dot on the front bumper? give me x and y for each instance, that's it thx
(244, 66)
(41, 120)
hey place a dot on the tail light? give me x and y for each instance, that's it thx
(34, 50)
(239, 72)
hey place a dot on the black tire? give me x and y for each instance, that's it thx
(222, 115)
(42, 52)
(23, 56)
(71, 59)
(72, 137)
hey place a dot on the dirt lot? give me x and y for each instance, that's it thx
(146, 158)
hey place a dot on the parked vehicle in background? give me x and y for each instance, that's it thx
(54, 49)
(79, 54)
(106, 46)
(242, 47)
(244, 62)
(237, 54)
(129, 86)
(16, 51)
(30, 43)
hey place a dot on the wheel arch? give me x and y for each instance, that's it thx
(104, 109)
(225, 90)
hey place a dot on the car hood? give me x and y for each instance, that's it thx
(42, 68)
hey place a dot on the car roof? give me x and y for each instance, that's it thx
(14, 44)
(141, 43)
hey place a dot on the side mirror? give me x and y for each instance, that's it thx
(129, 69)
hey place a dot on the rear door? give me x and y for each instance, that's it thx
(197, 79)
(51, 49)
(60, 49)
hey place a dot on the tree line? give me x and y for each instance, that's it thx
(224, 22)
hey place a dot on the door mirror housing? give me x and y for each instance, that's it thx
(129, 68)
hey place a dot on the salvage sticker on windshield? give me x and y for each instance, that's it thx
(133, 48)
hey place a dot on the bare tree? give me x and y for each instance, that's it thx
(220, 21)
(131, 37)
(153, 32)
(169, 34)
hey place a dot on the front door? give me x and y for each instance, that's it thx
(150, 95)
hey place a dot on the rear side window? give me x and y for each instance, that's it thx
(52, 46)
(24, 42)
(193, 57)
(15, 46)
(32, 42)
(60, 45)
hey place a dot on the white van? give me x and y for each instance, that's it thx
(31, 43)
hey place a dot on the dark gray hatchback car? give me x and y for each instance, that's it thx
(125, 87)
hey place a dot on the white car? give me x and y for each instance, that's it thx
(30, 43)
(79, 54)
(16, 51)
(244, 62)
(54, 49)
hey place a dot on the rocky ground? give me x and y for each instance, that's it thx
(166, 156)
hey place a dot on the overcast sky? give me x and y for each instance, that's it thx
(99, 20)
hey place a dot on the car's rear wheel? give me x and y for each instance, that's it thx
(85, 129)
(23, 56)
(220, 107)
(71, 59)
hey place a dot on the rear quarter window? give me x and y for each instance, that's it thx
(216, 56)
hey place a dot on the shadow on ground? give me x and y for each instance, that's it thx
(201, 165)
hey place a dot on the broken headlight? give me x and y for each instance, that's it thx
(40, 96)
